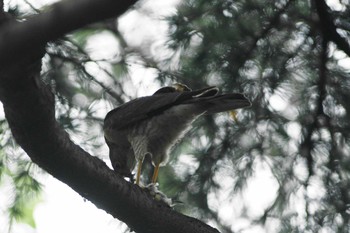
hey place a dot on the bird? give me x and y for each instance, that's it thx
(151, 125)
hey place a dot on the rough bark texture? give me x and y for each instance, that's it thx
(30, 111)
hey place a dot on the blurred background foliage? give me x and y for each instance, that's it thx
(289, 57)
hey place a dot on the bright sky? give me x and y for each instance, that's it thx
(63, 210)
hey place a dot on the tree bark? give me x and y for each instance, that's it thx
(30, 111)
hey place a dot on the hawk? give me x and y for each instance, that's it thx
(153, 124)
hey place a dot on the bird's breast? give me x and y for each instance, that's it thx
(159, 133)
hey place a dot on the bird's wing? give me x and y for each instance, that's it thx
(145, 107)
(137, 110)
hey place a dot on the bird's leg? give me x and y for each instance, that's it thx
(155, 173)
(233, 115)
(138, 175)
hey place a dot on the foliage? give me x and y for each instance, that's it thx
(17, 178)
(276, 53)
(296, 132)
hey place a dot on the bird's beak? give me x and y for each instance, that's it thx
(181, 87)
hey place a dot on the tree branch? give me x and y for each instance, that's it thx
(328, 27)
(30, 112)
(18, 38)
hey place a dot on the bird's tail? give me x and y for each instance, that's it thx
(225, 102)
(211, 102)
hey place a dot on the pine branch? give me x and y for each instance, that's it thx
(18, 38)
(273, 22)
(80, 66)
(310, 127)
(328, 27)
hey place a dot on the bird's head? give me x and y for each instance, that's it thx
(177, 87)
(181, 87)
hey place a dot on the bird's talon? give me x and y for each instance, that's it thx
(145, 126)
(157, 195)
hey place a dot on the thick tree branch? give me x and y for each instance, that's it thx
(30, 111)
(18, 38)
(328, 27)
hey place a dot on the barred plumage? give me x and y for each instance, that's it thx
(152, 124)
